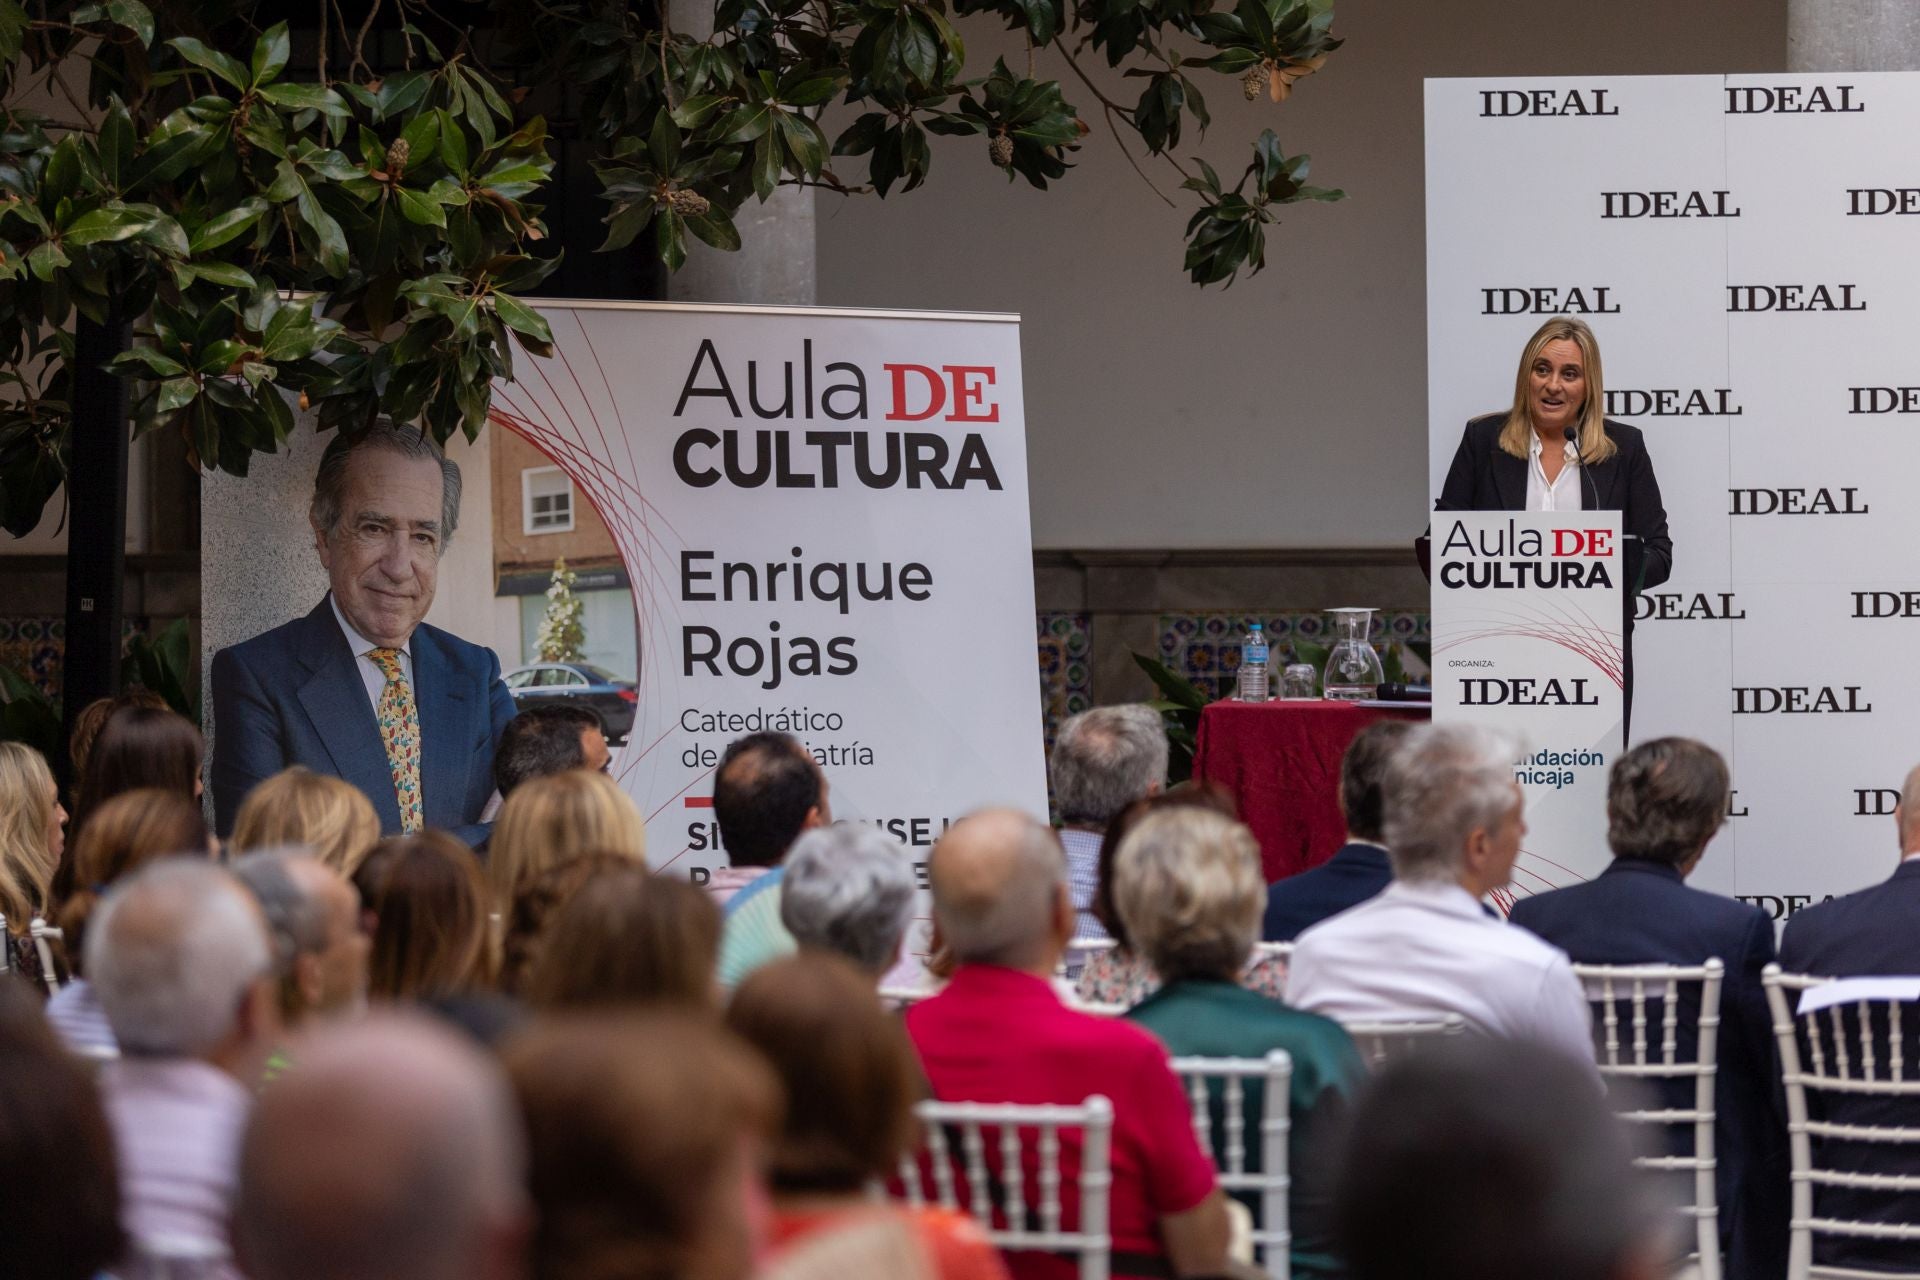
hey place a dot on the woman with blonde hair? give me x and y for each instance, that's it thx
(551, 820)
(31, 841)
(330, 817)
(1555, 449)
(127, 832)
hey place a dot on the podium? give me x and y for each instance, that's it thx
(1529, 639)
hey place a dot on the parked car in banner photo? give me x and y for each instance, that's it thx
(578, 684)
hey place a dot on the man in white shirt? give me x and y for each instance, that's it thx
(1424, 946)
(1103, 760)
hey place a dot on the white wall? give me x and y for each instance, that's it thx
(1289, 411)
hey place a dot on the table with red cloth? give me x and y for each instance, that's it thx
(1281, 761)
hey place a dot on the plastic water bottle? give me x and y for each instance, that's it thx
(1253, 665)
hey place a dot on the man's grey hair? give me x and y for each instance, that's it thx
(296, 919)
(1003, 928)
(330, 482)
(171, 953)
(1445, 782)
(848, 888)
(1104, 760)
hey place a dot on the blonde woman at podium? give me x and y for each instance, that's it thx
(1556, 450)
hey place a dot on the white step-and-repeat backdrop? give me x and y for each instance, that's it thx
(824, 517)
(1747, 249)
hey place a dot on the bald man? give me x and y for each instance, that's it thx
(999, 1033)
(392, 1153)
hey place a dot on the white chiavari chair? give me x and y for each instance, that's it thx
(1859, 1043)
(1217, 1091)
(176, 1258)
(43, 937)
(1645, 1046)
(1017, 1205)
(6, 965)
(1381, 1041)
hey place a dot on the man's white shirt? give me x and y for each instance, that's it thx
(1427, 949)
(370, 673)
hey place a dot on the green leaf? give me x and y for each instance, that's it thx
(305, 97)
(747, 124)
(165, 235)
(222, 273)
(176, 394)
(416, 208)
(13, 31)
(696, 111)
(226, 226)
(211, 60)
(131, 14)
(422, 136)
(330, 240)
(453, 144)
(768, 161)
(109, 225)
(804, 142)
(521, 318)
(155, 362)
(716, 229)
(270, 54)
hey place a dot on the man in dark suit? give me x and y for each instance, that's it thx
(1872, 933)
(1665, 801)
(1360, 869)
(360, 688)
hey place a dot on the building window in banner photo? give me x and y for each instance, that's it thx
(546, 500)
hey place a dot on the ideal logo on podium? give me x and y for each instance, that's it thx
(1528, 639)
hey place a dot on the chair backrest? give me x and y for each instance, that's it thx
(1381, 1041)
(1217, 1091)
(1643, 993)
(1860, 1045)
(905, 997)
(175, 1258)
(43, 936)
(5, 960)
(1284, 950)
(1017, 1202)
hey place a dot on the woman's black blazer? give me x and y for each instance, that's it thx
(1485, 477)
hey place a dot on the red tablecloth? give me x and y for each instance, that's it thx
(1281, 760)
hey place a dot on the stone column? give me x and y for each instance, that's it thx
(775, 262)
(1853, 35)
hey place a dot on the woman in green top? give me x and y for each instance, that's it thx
(1188, 884)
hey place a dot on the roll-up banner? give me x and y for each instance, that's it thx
(1747, 250)
(823, 515)
(1526, 640)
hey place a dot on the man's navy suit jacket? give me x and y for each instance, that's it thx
(1642, 912)
(1872, 933)
(1349, 878)
(294, 695)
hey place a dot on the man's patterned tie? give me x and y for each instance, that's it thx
(400, 731)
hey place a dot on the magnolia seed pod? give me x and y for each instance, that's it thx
(1000, 150)
(1254, 83)
(397, 156)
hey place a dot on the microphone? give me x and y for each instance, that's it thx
(1570, 435)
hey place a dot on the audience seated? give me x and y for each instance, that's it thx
(332, 818)
(129, 831)
(139, 746)
(1479, 1160)
(59, 1188)
(851, 1081)
(183, 965)
(543, 740)
(1120, 974)
(642, 1137)
(535, 905)
(1873, 932)
(766, 791)
(628, 937)
(428, 908)
(1360, 868)
(998, 1033)
(1424, 947)
(320, 951)
(1188, 884)
(848, 890)
(31, 841)
(1103, 760)
(394, 1152)
(1665, 801)
(551, 820)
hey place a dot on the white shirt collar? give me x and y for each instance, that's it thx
(360, 645)
(1537, 447)
(1438, 895)
(1909, 857)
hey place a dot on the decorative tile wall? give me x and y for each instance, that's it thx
(1066, 667)
(36, 647)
